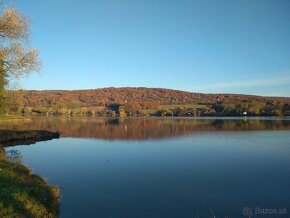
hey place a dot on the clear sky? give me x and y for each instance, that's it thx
(232, 46)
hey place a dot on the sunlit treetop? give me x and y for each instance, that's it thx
(17, 58)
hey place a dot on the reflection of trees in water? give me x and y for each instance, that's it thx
(139, 129)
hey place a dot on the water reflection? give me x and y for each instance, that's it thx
(225, 164)
(144, 128)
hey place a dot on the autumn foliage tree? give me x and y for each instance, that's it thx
(17, 58)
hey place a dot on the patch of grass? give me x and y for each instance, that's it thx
(172, 107)
(13, 119)
(23, 194)
(189, 106)
(151, 111)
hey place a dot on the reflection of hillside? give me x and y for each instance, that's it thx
(141, 129)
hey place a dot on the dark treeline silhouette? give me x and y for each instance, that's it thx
(16, 137)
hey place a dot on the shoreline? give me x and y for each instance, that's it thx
(16, 137)
(22, 193)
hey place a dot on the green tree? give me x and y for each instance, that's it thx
(17, 58)
(218, 107)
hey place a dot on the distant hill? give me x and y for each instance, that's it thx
(147, 97)
(147, 101)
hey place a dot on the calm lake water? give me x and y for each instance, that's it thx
(165, 167)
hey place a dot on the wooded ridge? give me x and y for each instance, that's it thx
(129, 101)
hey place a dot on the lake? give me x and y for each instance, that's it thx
(155, 167)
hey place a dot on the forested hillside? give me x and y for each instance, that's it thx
(146, 101)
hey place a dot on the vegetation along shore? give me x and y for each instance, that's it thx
(23, 194)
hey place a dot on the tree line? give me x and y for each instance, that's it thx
(131, 108)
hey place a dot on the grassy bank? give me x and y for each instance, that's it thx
(23, 194)
(13, 119)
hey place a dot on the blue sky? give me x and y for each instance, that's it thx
(225, 46)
